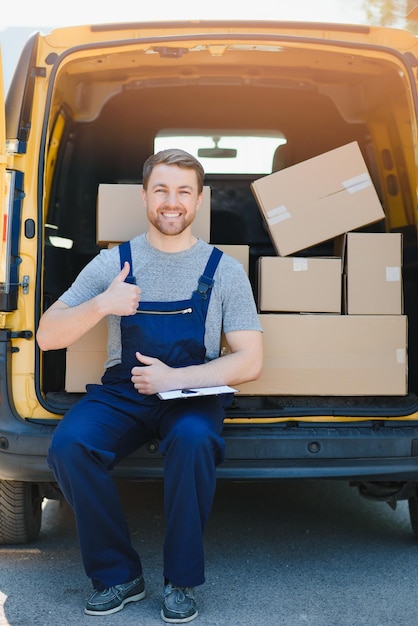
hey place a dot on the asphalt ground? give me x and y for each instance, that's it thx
(281, 554)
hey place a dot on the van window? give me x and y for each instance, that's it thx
(223, 152)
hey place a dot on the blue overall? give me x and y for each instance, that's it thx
(113, 419)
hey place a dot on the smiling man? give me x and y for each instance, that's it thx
(167, 297)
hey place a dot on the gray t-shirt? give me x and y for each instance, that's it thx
(166, 277)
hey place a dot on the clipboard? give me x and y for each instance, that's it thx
(195, 392)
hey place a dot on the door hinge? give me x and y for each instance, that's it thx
(21, 334)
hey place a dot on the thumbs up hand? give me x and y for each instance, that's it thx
(122, 298)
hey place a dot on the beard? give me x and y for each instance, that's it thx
(167, 226)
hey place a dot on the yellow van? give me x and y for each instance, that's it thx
(277, 105)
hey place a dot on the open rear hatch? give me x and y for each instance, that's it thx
(318, 87)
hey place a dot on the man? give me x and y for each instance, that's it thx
(167, 297)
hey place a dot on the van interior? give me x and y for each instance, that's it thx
(110, 112)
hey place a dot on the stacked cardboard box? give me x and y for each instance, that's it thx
(347, 355)
(373, 274)
(121, 213)
(300, 284)
(318, 199)
(85, 359)
(352, 337)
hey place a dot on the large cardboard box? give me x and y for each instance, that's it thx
(85, 359)
(318, 199)
(121, 214)
(374, 274)
(300, 284)
(332, 355)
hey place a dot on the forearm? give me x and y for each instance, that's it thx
(231, 369)
(61, 325)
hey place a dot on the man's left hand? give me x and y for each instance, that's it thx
(152, 378)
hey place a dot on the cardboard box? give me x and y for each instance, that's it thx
(318, 199)
(332, 355)
(239, 252)
(85, 359)
(121, 214)
(300, 284)
(374, 274)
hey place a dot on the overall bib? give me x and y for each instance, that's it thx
(112, 420)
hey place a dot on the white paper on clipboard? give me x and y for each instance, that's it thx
(195, 392)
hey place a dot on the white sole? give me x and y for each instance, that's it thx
(139, 596)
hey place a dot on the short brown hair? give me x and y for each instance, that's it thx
(173, 156)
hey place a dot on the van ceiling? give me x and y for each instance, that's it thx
(319, 97)
(86, 83)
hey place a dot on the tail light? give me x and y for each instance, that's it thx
(9, 241)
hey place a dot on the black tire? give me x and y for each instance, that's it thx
(20, 512)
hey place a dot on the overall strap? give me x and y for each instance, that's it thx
(125, 255)
(206, 280)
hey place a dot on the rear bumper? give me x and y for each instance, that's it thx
(381, 451)
(368, 452)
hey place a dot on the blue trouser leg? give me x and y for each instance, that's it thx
(91, 438)
(192, 448)
(100, 431)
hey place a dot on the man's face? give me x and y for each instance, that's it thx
(171, 198)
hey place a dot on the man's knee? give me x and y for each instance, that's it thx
(194, 436)
(192, 431)
(63, 446)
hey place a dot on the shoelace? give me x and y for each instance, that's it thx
(183, 592)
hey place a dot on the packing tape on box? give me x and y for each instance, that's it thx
(300, 264)
(357, 183)
(400, 355)
(393, 274)
(279, 214)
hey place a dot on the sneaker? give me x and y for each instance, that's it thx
(114, 598)
(179, 604)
